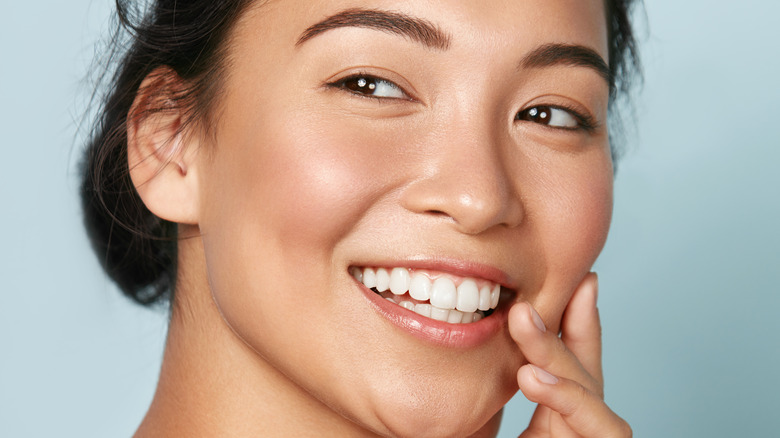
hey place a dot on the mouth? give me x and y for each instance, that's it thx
(439, 296)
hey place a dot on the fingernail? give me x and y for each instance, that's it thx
(543, 376)
(537, 320)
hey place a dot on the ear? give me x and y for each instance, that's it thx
(162, 157)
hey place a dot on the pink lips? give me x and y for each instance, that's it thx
(437, 332)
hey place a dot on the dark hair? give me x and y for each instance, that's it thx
(137, 249)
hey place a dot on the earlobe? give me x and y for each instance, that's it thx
(161, 153)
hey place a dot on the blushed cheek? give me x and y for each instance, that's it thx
(591, 214)
(575, 228)
(316, 181)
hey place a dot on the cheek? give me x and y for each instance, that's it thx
(573, 214)
(302, 184)
(579, 219)
(316, 180)
(280, 192)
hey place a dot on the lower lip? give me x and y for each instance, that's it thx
(437, 332)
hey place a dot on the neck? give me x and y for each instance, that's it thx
(213, 384)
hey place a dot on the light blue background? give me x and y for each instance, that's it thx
(689, 279)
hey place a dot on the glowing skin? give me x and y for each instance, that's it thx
(305, 178)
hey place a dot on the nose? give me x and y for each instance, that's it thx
(467, 179)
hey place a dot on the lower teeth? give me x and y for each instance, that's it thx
(430, 311)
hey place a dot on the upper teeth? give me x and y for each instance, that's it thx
(470, 296)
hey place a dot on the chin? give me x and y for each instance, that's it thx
(446, 425)
(440, 409)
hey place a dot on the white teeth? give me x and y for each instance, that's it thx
(423, 309)
(444, 315)
(456, 305)
(484, 298)
(443, 293)
(382, 280)
(420, 287)
(494, 295)
(369, 278)
(468, 296)
(455, 317)
(439, 314)
(399, 281)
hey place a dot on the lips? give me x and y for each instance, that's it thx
(439, 296)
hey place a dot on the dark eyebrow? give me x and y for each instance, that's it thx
(416, 29)
(550, 55)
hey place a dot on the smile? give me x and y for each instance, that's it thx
(442, 297)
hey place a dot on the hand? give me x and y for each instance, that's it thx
(564, 373)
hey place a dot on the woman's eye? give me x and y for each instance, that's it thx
(550, 116)
(372, 87)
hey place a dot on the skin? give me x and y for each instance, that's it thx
(298, 179)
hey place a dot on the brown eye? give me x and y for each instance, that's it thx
(361, 84)
(372, 86)
(550, 116)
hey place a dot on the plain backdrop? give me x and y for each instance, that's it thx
(689, 297)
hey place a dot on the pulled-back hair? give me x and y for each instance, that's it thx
(136, 248)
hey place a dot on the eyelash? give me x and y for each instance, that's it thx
(584, 122)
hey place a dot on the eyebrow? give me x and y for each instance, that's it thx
(415, 29)
(550, 55)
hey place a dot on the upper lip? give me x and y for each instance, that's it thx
(453, 266)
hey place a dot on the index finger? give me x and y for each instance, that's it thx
(581, 327)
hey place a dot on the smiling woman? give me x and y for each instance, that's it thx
(370, 218)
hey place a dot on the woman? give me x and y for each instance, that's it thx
(370, 218)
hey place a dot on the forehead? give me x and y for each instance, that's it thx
(470, 24)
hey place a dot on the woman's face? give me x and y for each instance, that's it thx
(462, 142)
